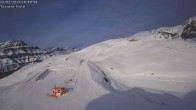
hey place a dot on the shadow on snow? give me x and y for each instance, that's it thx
(139, 99)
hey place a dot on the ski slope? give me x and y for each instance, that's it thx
(111, 75)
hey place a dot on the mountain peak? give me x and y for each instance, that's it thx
(12, 43)
(189, 29)
(191, 20)
(186, 31)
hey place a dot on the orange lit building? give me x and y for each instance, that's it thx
(57, 91)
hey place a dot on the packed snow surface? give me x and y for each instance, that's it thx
(111, 75)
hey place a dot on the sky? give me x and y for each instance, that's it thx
(81, 23)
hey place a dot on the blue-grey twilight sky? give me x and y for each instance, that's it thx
(84, 22)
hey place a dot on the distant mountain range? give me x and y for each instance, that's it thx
(59, 50)
(14, 54)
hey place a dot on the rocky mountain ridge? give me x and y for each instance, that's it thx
(186, 31)
(14, 54)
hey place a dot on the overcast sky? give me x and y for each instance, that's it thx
(84, 22)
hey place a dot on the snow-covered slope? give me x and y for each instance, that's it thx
(117, 74)
(14, 54)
